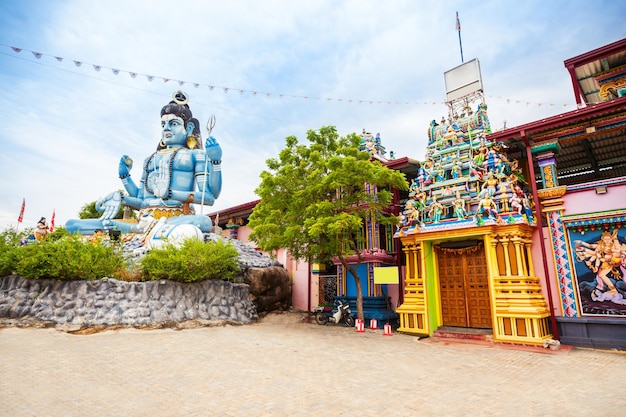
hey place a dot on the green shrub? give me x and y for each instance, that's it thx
(58, 234)
(63, 256)
(9, 241)
(193, 261)
(69, 258)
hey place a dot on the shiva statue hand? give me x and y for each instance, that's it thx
(109, 205)
(126, 164)
(213, 150)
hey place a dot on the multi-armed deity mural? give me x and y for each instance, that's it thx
(176, 175)
(465, 179)
(600, 269)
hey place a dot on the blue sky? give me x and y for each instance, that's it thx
(66, 126)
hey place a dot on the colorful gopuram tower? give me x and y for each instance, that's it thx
(466, 230)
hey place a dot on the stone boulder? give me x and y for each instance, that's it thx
(270, 288)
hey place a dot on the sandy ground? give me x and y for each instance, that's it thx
(287, 366)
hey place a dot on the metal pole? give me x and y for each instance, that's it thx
(458, 28)
(209, 126)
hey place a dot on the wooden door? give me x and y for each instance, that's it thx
(464, 287)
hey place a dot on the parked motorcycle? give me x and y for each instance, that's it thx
(323, 315)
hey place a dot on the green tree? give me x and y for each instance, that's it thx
(88, 211)
(314, 200)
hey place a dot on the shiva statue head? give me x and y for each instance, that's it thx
(178, 126)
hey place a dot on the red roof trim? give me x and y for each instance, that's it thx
(586, 58)
(397, 163)
(560, 119)
(596, 54)
(242, 207)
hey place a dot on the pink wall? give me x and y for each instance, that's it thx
(393, 292)
(538, 264)
(298, 270)
(587, 201)
(243, 234)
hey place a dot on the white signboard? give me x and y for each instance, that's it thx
(463, 80)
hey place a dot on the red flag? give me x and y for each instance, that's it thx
(458, 22)
(21, 217)
(52, 221)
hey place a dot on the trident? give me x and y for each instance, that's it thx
(210, 124)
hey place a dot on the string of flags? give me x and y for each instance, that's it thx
(149, 77)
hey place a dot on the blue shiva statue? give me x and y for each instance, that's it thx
(179, 173)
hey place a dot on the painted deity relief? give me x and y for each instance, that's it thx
(465, 180)
(600, 269)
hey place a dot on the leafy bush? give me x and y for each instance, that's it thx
(63, 256)
(69, 258)
(9, 241)
(193, 261)
(58, 234)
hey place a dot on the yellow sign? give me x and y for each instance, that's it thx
(386, 275)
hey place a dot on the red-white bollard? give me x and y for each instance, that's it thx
(373, 324)
(387, 330)
(360, 327)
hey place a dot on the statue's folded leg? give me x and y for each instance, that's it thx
(84, 226)
(89, 226)
(204, 223)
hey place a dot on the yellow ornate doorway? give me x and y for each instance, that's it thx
(464, 286)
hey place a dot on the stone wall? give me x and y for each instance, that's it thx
(263, 285)
(74, 305)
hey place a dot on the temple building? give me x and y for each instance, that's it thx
(579, 160)
(519, 234)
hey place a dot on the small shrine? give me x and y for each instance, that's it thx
(466, 229)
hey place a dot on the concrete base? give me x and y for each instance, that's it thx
(593, 332)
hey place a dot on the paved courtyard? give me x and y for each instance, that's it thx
(285, 366)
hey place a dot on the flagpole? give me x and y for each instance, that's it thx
(458, 28)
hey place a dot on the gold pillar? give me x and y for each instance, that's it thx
(529, 257)
(507, 261)
(521, 314)
(520, 261)
(413, 315)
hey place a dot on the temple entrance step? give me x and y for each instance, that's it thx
(463, 334)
